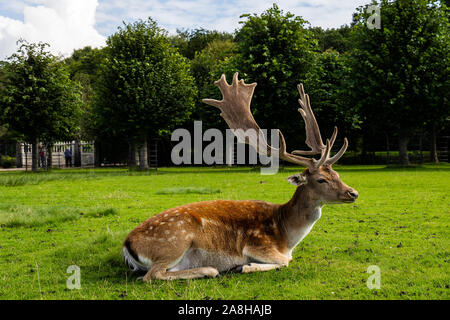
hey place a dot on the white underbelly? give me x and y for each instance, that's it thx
(196, 258)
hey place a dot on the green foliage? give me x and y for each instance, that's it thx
(85, 61)
(277, 52)
(329, 96)
(190, 42)
(336, 39)
(3, 131)
(84, 67)
(145, 88)
(7, 161)
(207, 66)
(207, 50)
(400, 73)
(207, 61)
(38, 99)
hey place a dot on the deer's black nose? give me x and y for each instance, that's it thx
(353, 194)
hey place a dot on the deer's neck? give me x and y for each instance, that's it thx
(297, 217)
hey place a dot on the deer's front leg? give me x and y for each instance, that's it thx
(268, 259)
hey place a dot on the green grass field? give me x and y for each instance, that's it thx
(50, 221)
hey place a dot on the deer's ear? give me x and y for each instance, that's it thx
(297, 179)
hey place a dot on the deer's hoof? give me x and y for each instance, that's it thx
(211, 272)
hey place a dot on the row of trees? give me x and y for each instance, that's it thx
(39, 101)
(390, 81)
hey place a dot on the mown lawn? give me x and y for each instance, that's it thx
(50, 221)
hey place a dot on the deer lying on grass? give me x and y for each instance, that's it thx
(205, 238)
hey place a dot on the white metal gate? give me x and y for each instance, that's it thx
(58, 159)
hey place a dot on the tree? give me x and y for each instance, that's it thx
(191, 42)
(437, 80)
(145, 88)
(328, 91)
(277, 52)
(38, 99)
(207, 66)
(84, 66)
(337, 39)
(396, 69)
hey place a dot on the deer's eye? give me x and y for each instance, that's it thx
(322, 181)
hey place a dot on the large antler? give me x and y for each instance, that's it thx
(235, 107)
(313, 137)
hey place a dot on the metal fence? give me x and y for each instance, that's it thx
(84, 148)
(84, 154)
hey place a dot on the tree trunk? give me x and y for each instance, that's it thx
(19, 162)
(143, 159)
(388, 149)
(77, 154)
(433, 149)
(132, 154)
(49, 156)
(97, 154)
(403, 149)
(34, 155)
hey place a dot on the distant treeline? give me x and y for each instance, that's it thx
(380, 86)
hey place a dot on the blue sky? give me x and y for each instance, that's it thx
(70, 24)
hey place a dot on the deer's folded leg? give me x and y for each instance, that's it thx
(161, 273)
(268, 259)
(256, 267)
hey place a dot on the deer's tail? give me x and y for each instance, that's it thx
(131, 259)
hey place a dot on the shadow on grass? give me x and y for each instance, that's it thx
(99, 259)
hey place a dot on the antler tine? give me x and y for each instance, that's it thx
(306, 162)
(338, 155)
(325, 155)
(313, 137)
(222, 84)
(333, 137)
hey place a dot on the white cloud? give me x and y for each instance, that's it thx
(64, 24)
(71, 24)
(218, 14)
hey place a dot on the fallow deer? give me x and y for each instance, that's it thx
(205, 238)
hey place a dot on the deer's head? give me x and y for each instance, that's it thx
(321, 180)
(325, 185)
